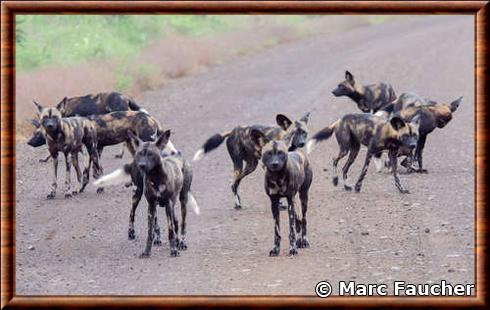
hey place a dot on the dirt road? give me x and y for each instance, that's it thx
(80, 246)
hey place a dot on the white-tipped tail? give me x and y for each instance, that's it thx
(199, 154)
(170, 147)
(144, 111)
(114, 178)
(310, 145)
(191, 202)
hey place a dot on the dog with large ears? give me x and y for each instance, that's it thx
(287, 173)
(68, 135)
(377, 133)
(369, 98)
(164, 178)
(242, 148)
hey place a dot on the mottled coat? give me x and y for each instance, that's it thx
(378, 134)
(287, 174)
(242, 148)
(369, 98)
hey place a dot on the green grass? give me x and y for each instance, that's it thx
(71, 39)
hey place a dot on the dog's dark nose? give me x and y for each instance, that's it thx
(301, 144)
(49, 126)
(142, 166)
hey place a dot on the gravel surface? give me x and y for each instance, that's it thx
(80, 246)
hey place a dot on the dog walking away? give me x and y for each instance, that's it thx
(242, 149)
(287, 174)
(163, 177)
(432, 116)
(376, 133)
(68, 136)
(369, 98)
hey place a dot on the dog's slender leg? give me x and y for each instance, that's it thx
(151, 231)
(137, 193)
(183, 212)
(364, 170)
(292, 221)
(277, 228)
(249, 168)
(68, 176)
(342, 153)
(94, 155)
(352, 157)
(76, 165)
(169, 206)
(303, 241)
(419, 151)
(176, 228)
(130, 147)
(54, 185)
(120, 155)
(394, 166)
(157, 240)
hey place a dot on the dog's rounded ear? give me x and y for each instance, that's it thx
(305, 118)
(134, 138)
(283, 121)
(397, 123)
(38, 106)
(62, 105)
(258, 138)
(162, 139)
(349, 77)
(35, 122)
(455, 104)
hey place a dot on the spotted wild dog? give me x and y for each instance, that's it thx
(376, 133)
(287, 173)
(369, 98)
(242, 148)
(101, 103)
(432, 115)
(163, 177)
(68, 135)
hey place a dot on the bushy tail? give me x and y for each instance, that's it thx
(211, 144)
(119, 176)
(192, 203)
(323, 134)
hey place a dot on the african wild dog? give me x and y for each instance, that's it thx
(287, 174)
(376, 133)
(101, 103)
(369, 98)
(242, 148)
(68, 135)
(432, 115)
(163, 177)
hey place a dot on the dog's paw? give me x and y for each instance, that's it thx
(157, 242)
(348, 188)
(174, 253)
(302, 243)
(145, 255)
(422, 171)
(100, 190)
(181, 245)
(51, 195)
(292, 252)
(335, 181)
(404, 191)
(74, 193)
(357, 188)
(274, 251)
(131, 234)
(238, 207)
